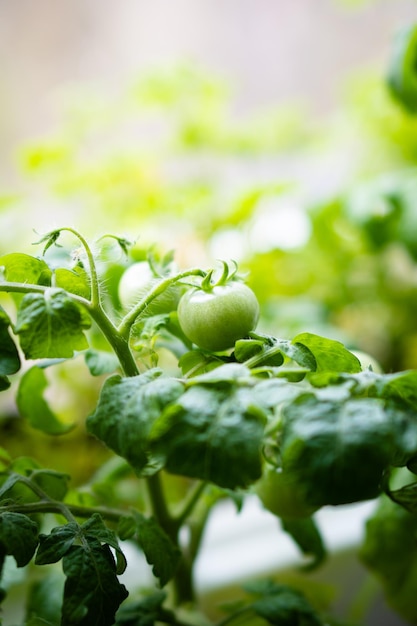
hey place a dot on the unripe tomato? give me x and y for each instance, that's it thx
(214, 319)
(282, 496)
(136, 282)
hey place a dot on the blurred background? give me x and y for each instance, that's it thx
(262, 132)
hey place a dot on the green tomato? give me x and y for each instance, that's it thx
(367, 361)
(136, 282)
(215, 319)
(282, 496)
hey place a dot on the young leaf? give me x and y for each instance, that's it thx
(212, 433)
(18, 537)
(23, 268)
(92, 592)
(159, 550)
(52, 547)
(126, 411)
(50, 325)
(75, 281)
(324, 444)
(95, 527)
(9, 356)
(33, 407)
(330, 355)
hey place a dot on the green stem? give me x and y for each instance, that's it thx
(94, 282)
(52, 506)
(129, 319)
(258, 359)
(189, 506)
(119, 344)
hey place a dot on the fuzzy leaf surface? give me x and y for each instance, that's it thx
(50, 325)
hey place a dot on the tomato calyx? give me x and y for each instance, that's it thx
(227, 276)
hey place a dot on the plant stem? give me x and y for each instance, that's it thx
(52, 506)
(94, 282)
(128, 320)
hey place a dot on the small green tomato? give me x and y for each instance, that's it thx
(215, 318)
(282, 496)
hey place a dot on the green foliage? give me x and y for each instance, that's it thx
(217, 424)
(402, 77)
(183, 427)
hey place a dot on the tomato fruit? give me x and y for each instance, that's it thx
(216, 317)
(136, 281)
(282, 496)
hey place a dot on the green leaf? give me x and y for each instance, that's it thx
(18, 537)
(324, 444)
(33, 407)
(4, 383)
(299, 351)
(212, 433)
(23, 268)
(227, 374)
(159, 550)
(50, 325)
(196, 362)
(9, 356)
(100, 362)
(126, 411)
(146, 612)
(54, 546)
(95, 527)
(43, 606)
(92, 592)
(402, 73)
(390, 552)
(75, 281)
(307, 536)
(401, 387)
(54, 484)
(283, 606)
(330, 355)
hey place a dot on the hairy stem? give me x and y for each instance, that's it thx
(129, 319)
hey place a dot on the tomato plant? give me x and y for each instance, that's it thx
(177, 441)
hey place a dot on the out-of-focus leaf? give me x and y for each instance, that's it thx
(34, 407)
(18, 537)
(402, 76)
